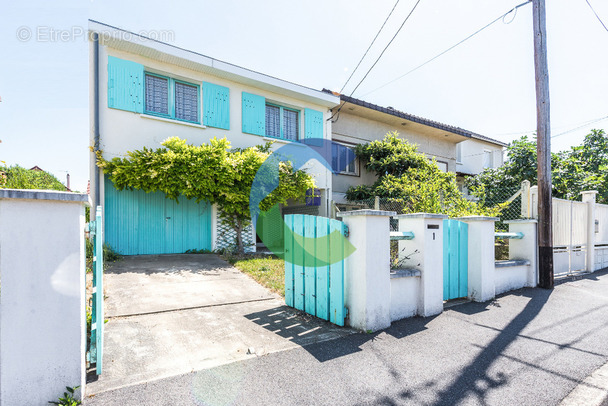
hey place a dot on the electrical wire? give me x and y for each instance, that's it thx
(597, 16)
(579, 127)
(378, 58)
(369, 47)
(452, 47)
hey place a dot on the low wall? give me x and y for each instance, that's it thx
(510, 275)
(42, 312)
(405, 285)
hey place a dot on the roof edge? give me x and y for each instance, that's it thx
(416, 119)
(121, 35)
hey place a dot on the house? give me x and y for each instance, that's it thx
(144, 91)
(358, 122)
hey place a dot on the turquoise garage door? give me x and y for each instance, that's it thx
(138, 223)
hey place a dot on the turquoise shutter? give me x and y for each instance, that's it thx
(216, 106)
(313, 124)
(254, 114)
(125, 85)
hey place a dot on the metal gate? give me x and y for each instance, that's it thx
(95, 350)
(315, 248)
(455, 259)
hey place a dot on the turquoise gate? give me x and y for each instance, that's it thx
(95, 350)
(313, 283)
(455, 259)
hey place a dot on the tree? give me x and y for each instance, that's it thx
(16, 177)
(410, 181)
(211, 172)
(581, 168)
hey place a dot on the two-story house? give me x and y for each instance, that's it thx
(358, 122)
(144, 91)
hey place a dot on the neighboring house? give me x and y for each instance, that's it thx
(359, 122)
(148, 91)
(475, 155)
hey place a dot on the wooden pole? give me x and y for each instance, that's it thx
(543, 148)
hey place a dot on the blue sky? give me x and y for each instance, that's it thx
(485, 85)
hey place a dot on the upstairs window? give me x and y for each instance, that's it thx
(343, 159)
(157, 95)
(282, 122)
(488, 161)
(171, 98)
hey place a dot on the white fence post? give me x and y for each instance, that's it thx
(367, 278)
(534, 202)
(481, 257)
(589, 198)
(42, 313)
(525, 200)
(425, 253)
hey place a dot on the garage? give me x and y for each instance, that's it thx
(139, 223)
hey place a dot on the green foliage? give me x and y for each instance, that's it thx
(411, 182)
(16, 177)
(583, 167)
(211, 172)
(109, 255)
(267, 270)
(197, 251)
(68, 398)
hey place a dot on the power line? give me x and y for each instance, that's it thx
(581, 126)
(452, 47)
(370, 46)
(598, 17)
(377, 59)
(580, 123)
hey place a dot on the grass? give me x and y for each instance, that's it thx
(267, 270)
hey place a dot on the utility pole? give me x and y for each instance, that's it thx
(543, 148)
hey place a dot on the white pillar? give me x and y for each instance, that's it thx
(534, 202)
(589, 198)
(42, 311)
(367, 273)
(425, 253)
(527, 247)
(481, 257)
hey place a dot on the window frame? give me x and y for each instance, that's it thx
(356, 162)
(171, 98)
(281, 122)
(489, 153)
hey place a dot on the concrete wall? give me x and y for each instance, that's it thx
(404, 297)
(42, 309)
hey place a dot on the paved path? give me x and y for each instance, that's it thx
(173, 314)
(530, 347)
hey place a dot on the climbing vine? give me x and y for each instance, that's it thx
(212, 172)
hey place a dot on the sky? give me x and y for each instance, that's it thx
(485, 85)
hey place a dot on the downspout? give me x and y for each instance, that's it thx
(96, 115)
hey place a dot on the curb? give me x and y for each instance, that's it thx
(592, 391)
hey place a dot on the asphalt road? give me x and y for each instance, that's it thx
(529, 347)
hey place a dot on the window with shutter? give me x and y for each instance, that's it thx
(157, 95)
(186, 102)
(167, 97)
(282, 122)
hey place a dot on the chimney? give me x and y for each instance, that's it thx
(68, 182)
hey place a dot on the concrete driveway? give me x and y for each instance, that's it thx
(173, 314)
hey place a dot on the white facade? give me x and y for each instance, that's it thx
(122, 131)
(475, 155)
